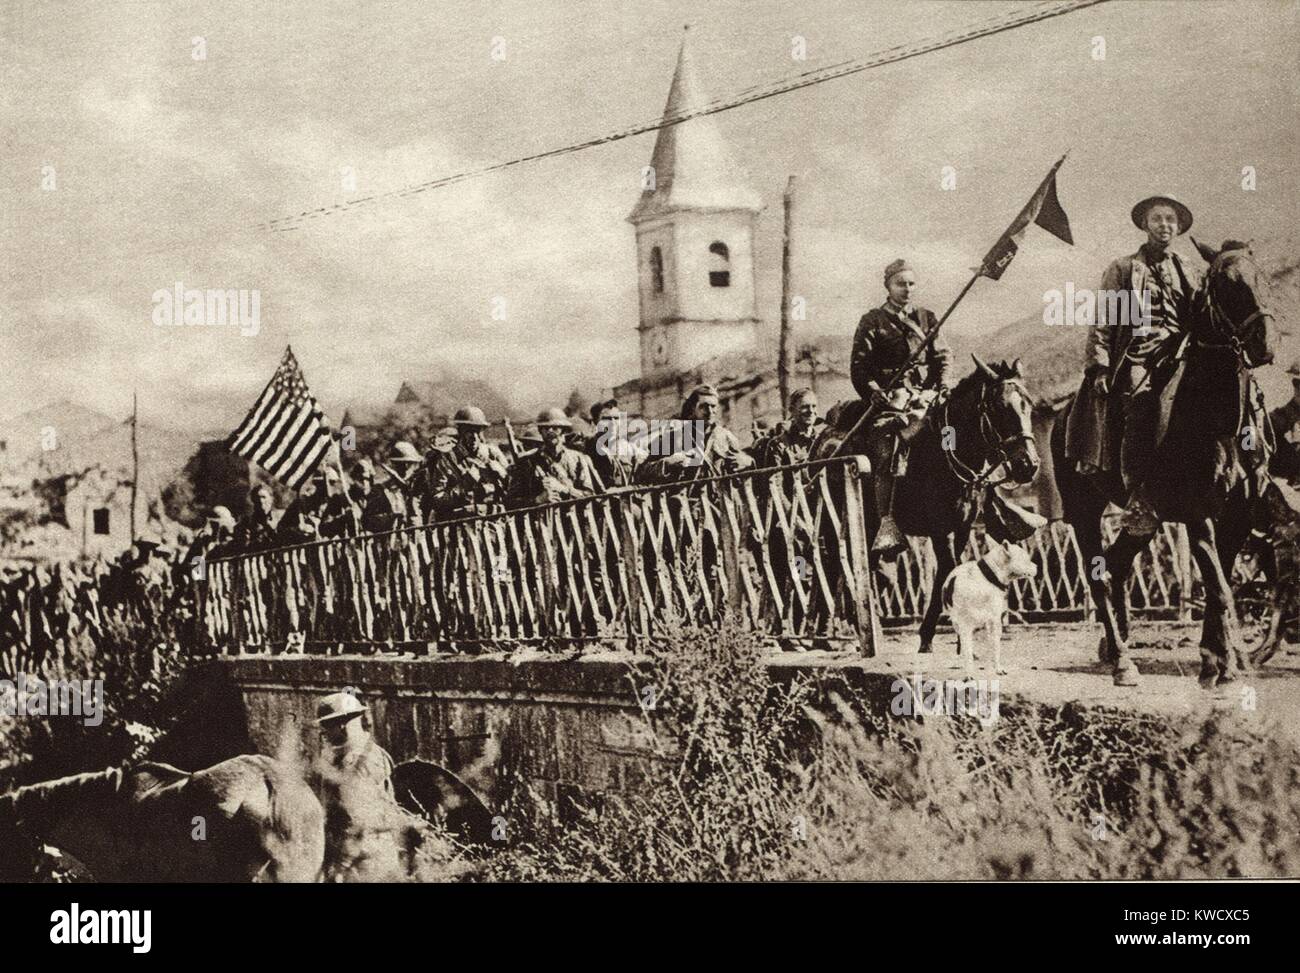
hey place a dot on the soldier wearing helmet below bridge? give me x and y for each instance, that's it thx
(700, 444)
(467, 478)
(349, 747)
(1133, 362)
(553, 471)
(887, 338)
(353, 778)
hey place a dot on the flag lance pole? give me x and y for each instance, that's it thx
(1022, 220)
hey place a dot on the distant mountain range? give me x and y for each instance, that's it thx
(84, 439)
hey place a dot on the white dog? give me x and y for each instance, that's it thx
(975, 596)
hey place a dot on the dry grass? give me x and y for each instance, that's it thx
(764, 782)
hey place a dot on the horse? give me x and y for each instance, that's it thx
(250, 818)
(1203, 478)
(984, 425)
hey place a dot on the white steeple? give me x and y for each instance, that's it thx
(694, 229)
(691, 167)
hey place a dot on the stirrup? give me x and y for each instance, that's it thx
(1139, 517)
(889, 540)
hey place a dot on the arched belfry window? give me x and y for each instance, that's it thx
(719, 265)
(657, 269)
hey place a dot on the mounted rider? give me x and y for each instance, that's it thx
(887, 337)
(1135, 362)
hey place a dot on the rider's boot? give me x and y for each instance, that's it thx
(889, 541)
(1140, 518)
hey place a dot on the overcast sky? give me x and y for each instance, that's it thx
(164, 165)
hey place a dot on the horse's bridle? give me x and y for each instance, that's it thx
(997, 448)
(1228, 329)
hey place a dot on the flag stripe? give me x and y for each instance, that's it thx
(295, 455)
(317, 446)
(289, 436)
(285, 432)
(252, 420)
(297, 479)
(264, 445)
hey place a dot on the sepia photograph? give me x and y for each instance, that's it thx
(553, 442)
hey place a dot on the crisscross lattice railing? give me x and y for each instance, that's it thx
(782, 550)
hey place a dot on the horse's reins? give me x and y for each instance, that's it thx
(1000, 448)
(1230, 331)
(1233, 329)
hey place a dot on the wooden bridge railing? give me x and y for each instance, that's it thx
(1163, 583)
(783, 551)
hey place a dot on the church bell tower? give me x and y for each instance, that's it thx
(694, 241)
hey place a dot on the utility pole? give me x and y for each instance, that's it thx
(783, 351)
(135, 457)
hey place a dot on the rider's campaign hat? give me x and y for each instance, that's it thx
(1139, 213)
(339, 706)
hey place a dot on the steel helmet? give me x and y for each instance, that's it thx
(553, 417)
(471, 415)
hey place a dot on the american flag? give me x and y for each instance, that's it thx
(285, 432)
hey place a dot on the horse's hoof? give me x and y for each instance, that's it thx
(925, 648)
(1209, 675)
(1126, 674)
(1104, 655)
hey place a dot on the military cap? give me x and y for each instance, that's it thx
(1139, 213)
(404, 452)
(896, 267)
(471, 415)
(704, 392)
(553, 417)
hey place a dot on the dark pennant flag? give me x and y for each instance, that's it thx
(1044, 209)
(285, 432)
